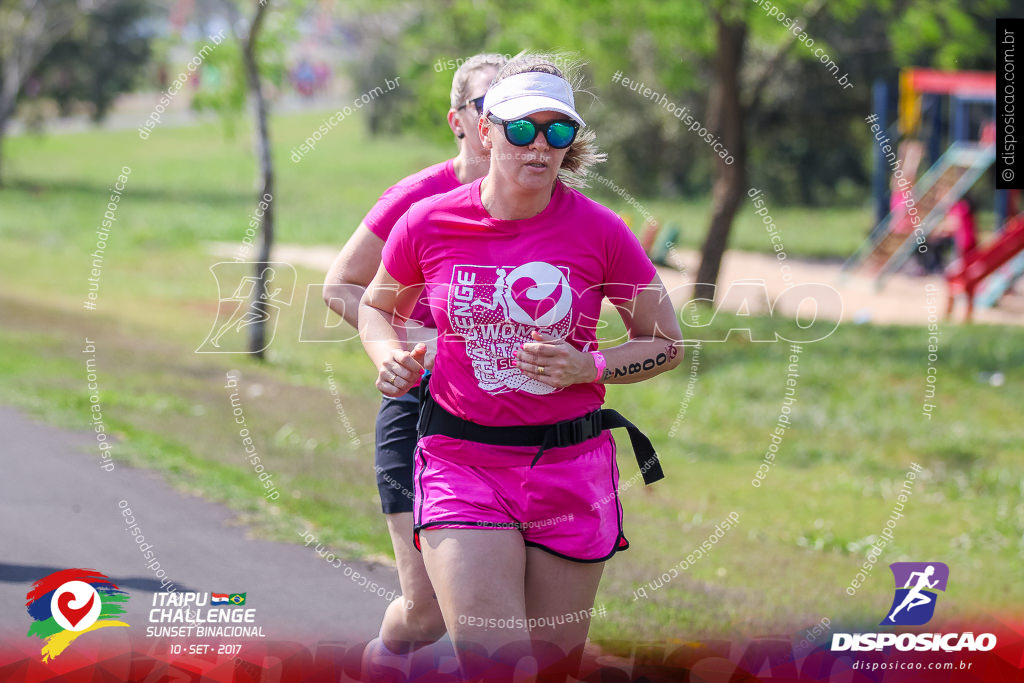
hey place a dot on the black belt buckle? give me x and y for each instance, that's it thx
(585, 428)
(563, 433)
(594, 426)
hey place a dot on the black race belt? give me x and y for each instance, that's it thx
(436, 420)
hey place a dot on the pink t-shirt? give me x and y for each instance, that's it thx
(490, 282)
(397, 199)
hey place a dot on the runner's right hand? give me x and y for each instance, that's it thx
(402, 371)
(425, 335)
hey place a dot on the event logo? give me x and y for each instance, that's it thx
(70, 603)
(496, 308)
(188, 614)
(914, 603)
(240, 311)
(227, 599)
(536, 293)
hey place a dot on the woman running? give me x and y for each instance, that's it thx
(516, 505)
(413, 619)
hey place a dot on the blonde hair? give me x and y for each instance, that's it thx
(583, 152)
(460, 81)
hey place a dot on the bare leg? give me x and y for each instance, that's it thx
(918, 601)
(901, 606)
(414, 618)
(557, 590)
(908, 599)
(478, 575)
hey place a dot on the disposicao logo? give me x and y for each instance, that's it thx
(69, 603)
(914, 605)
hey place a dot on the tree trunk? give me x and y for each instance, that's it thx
(726, 119)
(11, 77)
(259, 306)
(3, 135)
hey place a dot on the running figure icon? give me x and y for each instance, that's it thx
(500, 292)
(244, 314)
(915, 597)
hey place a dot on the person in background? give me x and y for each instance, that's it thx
(959, 229)
(965, 230)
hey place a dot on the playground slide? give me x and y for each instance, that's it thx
(964, 275)
(1000, 282)
(886, 248)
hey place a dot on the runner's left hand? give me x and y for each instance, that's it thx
(563, 364)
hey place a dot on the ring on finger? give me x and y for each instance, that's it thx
(393, 378)
(540, 369)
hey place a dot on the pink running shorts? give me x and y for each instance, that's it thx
(567, 505)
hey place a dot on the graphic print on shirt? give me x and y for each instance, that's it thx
(495, 308)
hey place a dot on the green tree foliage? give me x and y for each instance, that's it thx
(100, 59)
(774, 82)
(947, 34)
(222, 81)
(807, 142)
(29, 30)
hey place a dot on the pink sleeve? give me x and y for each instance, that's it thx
(385, 213)
(628, 267)
(398, 198)
(399, 256)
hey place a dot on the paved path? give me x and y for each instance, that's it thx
(60, 510)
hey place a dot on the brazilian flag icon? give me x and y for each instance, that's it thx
(237, 598)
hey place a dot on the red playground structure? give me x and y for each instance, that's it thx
(964, 276)
(951, 111)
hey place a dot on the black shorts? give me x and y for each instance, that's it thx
(393, 454)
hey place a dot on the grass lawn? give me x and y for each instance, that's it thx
(856, 426)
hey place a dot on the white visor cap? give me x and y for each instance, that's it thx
(528, 93)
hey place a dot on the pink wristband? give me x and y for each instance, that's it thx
(600, 363)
